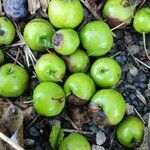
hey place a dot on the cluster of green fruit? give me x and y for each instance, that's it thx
(106, 105)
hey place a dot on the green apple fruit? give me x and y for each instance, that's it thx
(74, 141)
(65, 13)
(118, 12)
(48, 99)
(38, 34)
(141, 21)
(96, 37)
(81, 86)
(78, 61)
(106, 72)
(13, 80)
(7, 31)
(107, 107)
(50, 67)
(65, 41)
(130, 131)
(1, 57)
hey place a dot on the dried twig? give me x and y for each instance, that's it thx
(144, 64)
(86, 4)
(116, 54)
(145, 49)
(82, 132)
(10, 142)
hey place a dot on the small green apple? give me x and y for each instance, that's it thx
(130, 131)
(1, 57)
(13, 80)
(96, 37)
(38, 33)
(74, 141)
(78, 61)
(65, 41)
(117, 12)
(80, 85)
(7, 31)
(48, 99)
(141, 21)
(106, 72)
(50, 67)
(65, 13)
(107, 106)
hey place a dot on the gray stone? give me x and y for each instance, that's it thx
(97, 147)
(100, 138)
(134, 49)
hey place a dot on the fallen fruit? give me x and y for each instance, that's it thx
(118, 12)
(130, 132)
(77, 62)
(74, 141)
(7, 31)
(65, 14)
(96, 38)
(141, 21)
(13, 79)
(1, 57)
(50, 67)
(106, 72)
(38, 34)
(107, 107)
(81, 86)
(65, 41)
(16, 9)
(48, 99)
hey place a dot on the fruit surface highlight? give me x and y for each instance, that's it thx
(65, 13)
(130, 131)
(107, 106)
(13, 80)
(74, 141)
(96, 37)
(48, 99)
(106, 72)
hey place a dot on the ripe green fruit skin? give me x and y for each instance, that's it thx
(50, 67)
(80, 85)
(141, 21)
(7, 31)
(106, 72)
(130, 130)
(36, 31)
(1, 57)
(65, 13)
(96, 37)
(48, 99)
(111, 102)
(65, 41)
(13, 79)
(78, 61)
(118, 12)
(74, 141)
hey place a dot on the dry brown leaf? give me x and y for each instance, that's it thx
(44, 4)
(33, 6)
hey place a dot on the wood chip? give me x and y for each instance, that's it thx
(44, 4)
(33, 6)
(141, 97)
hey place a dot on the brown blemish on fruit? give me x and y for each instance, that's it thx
(124, 4)
(57, 40)
(98, 115)
(2, 32)
(74, 100)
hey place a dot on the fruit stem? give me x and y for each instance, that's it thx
(144, 42)
(47, 43)
(116, 27)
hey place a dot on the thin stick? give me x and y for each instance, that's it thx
(118, 26)
(142, 63)
(10, 142)
(145, 49)
(85, 2)
(82, 132)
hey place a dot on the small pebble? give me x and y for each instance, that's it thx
(135, 103)
(29, 142)
(100, 138)
(133, 70)
(97, 147)
(142, 85)
(134, 49)
(147, 92)
(132, 96)
(129, 78)
(128, 38)
(119, 34)
(121, 60)
(38, 147)
(129, 109)
(141, 77)
(94, 128)
(146, 117)
(34, 132)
